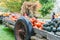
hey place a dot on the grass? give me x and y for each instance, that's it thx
(6, 33)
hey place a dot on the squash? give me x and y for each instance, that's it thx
(6, 14)
(38, 24)
(47, 29)
(58, 29)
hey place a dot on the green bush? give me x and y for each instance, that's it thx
(14, 6)
(47, 6)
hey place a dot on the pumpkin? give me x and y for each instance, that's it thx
(38, 24)
(35, 27)
(6, 14)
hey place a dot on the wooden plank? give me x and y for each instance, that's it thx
(37, 38)
(41, 32)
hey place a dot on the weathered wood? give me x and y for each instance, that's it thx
(37, 37)
(43, 33)
(10, 26)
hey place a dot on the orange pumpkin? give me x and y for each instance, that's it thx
(35, 27)
(38, 24)
(6, 14)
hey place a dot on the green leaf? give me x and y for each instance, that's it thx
(47, 5)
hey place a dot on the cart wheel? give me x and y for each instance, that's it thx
(23, 29)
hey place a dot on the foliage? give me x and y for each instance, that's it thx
(15, 6)
(47, 6)
(3, 9)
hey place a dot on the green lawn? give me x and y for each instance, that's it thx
(6, 33)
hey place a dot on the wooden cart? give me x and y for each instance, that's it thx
(24, 31)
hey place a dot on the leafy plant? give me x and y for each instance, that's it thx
(15, 6)
(3, 9)
(47, 6)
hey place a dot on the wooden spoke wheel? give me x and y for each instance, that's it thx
(23, 29)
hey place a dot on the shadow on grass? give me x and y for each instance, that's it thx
(8, 31)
